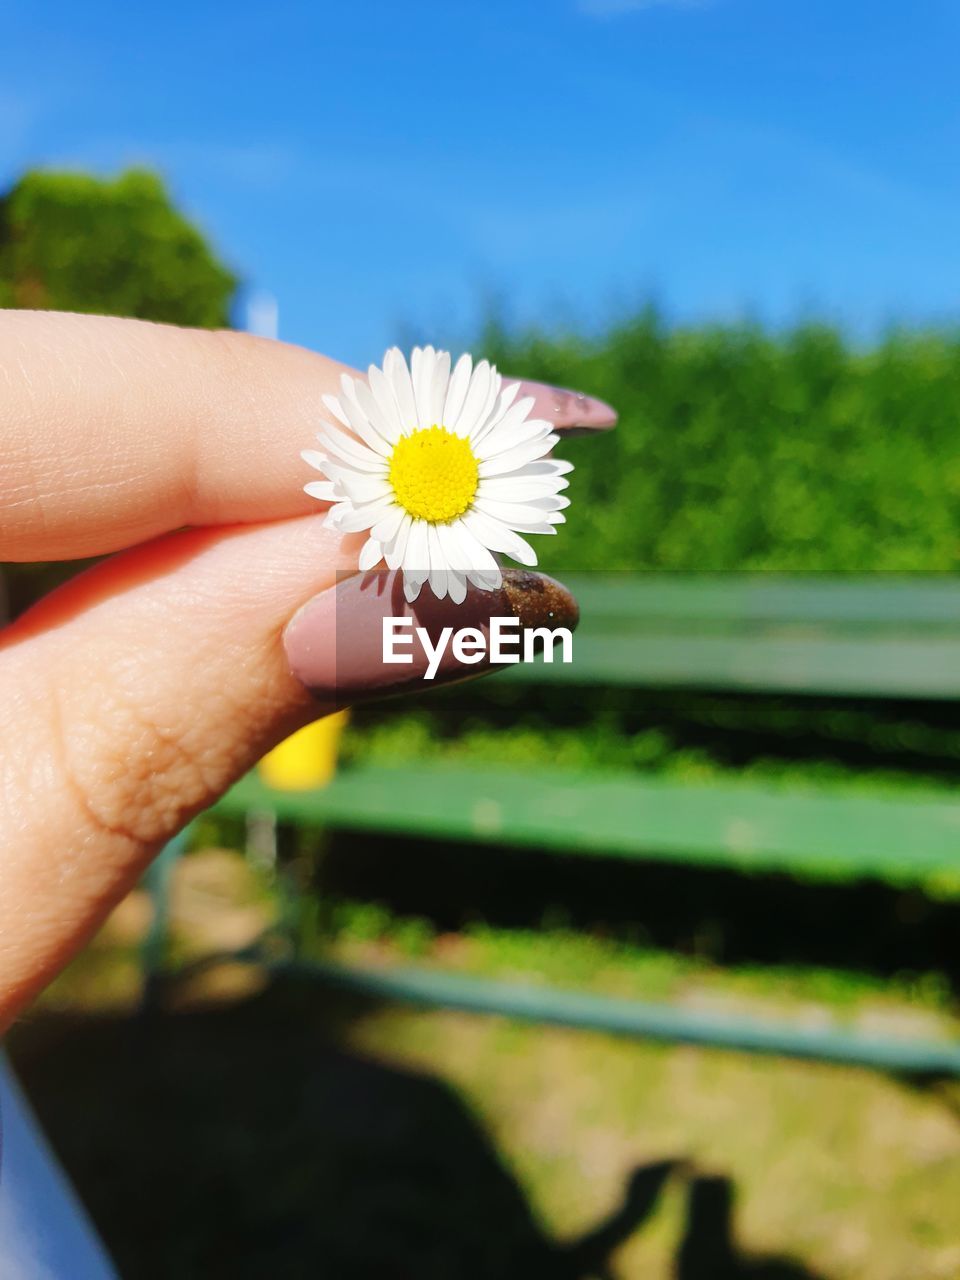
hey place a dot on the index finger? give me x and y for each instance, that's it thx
(114, 431)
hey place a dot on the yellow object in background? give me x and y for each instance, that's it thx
(306, 759)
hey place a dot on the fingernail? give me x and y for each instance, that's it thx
(568, 410)
(335, 643)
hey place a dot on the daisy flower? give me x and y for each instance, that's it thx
(440, 468)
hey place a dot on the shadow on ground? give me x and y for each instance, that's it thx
(243, 1142)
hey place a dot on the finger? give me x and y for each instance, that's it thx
(133, 697)
(115, 431)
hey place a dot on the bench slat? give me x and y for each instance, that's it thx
(435, 989)
(838, 666)
(742, 825)
(749, 599)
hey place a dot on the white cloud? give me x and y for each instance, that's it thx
(617, 8)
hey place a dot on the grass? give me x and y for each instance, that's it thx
(697, 737)
(564, 957)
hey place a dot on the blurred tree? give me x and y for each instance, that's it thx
(73, 242)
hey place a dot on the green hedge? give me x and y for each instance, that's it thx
(738, 449)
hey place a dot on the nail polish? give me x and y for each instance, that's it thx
(336, 646)
(568, 411)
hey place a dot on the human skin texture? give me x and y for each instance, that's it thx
(132, 697)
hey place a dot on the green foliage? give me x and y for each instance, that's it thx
(557, 955)
(72, 242)
(741, 450)
(686, 735)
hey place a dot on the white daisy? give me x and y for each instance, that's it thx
(440, 468)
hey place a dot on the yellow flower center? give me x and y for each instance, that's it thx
(434, 474)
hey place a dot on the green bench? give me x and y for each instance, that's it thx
(843, 637)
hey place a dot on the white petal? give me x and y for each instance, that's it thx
(322, 489)
(531, 493)
(454, 548)
(315, 458)
(486, 408)
(518, 457)
(417, 558)
(382, 391)
(549, 502)
(359, 422)
(346, 464)
(540, 527)
(439, 582)
(450, 545)
(438, 558)
(486, 579)
(438, 394)
(371, 553)
(508, 393)
(498, 537)
(359, 518)
(422, 364)
(493, 395)
(333, 406)
(396, 549)
(514, 514)
(502, 439)
(351, 450)
(514, 417)
(473, 554)
(457, 390)
(546, 467)
(426, 407)
(395, 368)
(366, 488)
(515, 488)
(474, 402)
(386, 427)
(457, 586)
(387, 528)
(504, 400)
(413, 580)
(336, 513)
(334, 470)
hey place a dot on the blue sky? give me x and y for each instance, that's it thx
(381, 166)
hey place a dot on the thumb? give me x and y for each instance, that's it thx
(134, 696)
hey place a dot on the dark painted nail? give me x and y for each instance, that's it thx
(335, 643)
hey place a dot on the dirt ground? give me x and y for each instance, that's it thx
(255, 1129)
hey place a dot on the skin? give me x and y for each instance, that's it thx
(135, 695)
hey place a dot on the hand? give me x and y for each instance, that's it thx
(136, 694)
